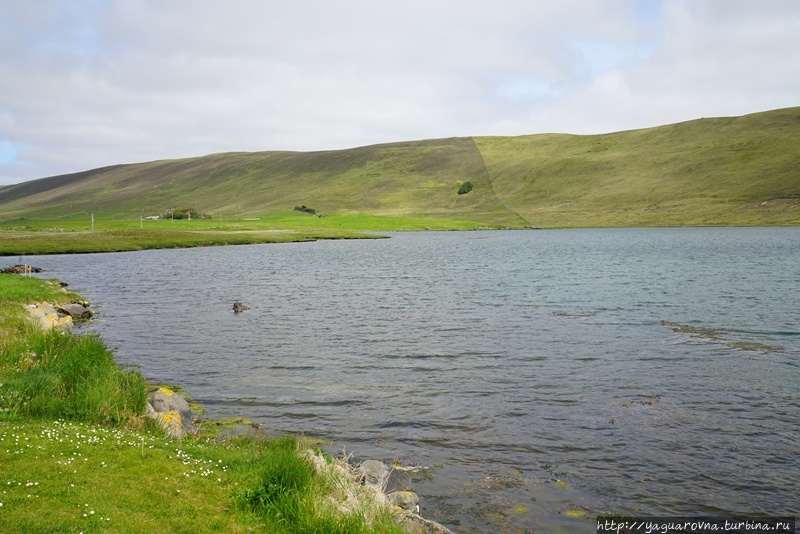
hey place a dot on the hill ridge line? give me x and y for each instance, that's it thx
(711, 171)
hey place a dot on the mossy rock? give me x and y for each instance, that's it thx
(575, 512)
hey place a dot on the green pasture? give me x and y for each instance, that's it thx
(62, 475)
(74, 234)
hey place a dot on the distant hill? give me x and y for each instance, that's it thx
(737, 170)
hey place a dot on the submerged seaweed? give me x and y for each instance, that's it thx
(719, 336)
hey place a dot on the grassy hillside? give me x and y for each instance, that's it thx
(743, 170)
(420, 178)
(729, 171)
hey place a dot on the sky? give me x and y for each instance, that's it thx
(90, 83)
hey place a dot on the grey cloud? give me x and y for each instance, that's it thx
(120, 81)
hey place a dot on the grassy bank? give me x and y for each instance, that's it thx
(77, 457)
(78, 234)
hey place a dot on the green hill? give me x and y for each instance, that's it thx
(729, 171)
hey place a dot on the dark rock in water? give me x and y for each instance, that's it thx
(238, 307)
(21, 269)
(76, 311)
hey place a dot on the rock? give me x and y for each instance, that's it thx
(396, 484)
(64, 323)
(407, 501)
(238, 307)
(374, 473)
(77, 311)
(21, 269)
(40, 309)
(397, 481)
(171, 422)
(419, 525)
(48, 318)
(48, 321)
(171, 411)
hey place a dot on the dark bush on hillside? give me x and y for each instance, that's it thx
(465, 188)
(305, 209)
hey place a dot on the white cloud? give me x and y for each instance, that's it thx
(115, 81)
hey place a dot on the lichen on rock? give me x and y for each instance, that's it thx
(171, 411)
(61, 318)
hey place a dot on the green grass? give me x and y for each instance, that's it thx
(77, 457)
(67, 476)
(70, 476)
(288, 222)
(16, 290)
(53, 374)
(17, 243)
(288, 489)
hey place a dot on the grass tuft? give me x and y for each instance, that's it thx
(52, 374)
(305, 491)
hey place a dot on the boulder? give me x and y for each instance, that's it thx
(40, 309)
(48, 318)
(62, 318)
(397, 481)
(171, 411)
(49, 321)
(406, 501)
(76, 311)
(171, 422)
(374, 473)
(419, 525)
(396, 485)
(62, 323)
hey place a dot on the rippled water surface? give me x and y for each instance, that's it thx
(536, 374)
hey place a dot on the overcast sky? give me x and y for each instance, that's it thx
(89, 83)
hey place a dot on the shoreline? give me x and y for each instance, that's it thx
(88, 244)
(115, 241)
(389, 485)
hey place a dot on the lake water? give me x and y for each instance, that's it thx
(537, 375)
